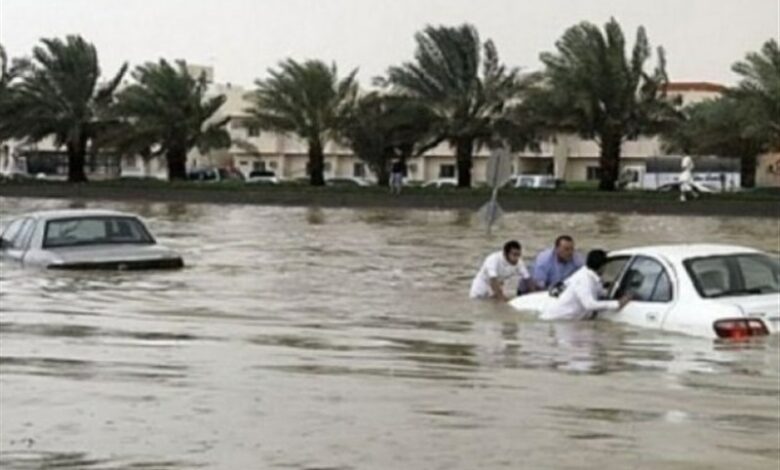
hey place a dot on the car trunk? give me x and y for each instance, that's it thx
(116, 257)
(766, 307)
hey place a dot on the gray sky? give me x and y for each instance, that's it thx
(242, 38)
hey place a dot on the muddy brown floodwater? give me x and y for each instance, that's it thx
(343, 339)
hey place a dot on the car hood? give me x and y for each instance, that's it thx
(111, 253)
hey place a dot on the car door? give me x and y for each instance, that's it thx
(649, 283)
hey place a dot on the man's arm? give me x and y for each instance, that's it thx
(585, 296)
(498, 289)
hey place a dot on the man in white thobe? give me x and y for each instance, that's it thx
(580, 298)
(496, 270)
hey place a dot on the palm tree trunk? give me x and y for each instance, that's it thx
(382, 169)
(77, 150)
(747, 169)
(463, 156)
(610, 161)
(316, 163)
(177, 163)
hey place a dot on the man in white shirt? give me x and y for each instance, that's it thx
(581, 293)
(496, 270)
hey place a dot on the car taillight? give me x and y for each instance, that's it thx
(738, 328)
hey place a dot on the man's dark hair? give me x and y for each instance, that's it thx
(511, 245)
(563, 238)
(596, 259)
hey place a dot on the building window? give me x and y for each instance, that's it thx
(272, 165)
(253, 131)
(412, 169)
(258, 165)
(326, 167)
(359, 170)
(446, 171)
(593, 173)
(243, 163)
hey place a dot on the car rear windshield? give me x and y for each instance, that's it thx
(83, 231)
(734, 275)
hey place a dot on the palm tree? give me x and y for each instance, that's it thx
(306, 99)
(58, 95)
(744, 122)
(169, 110)
(10, 71)
(718, 127)
(592, 88)
(460, 81)
(759, 90)
(381, 128)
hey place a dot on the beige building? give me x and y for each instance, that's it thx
(568, 157)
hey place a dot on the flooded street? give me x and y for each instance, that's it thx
(344, 339)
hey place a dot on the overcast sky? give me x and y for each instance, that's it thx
(242, 38)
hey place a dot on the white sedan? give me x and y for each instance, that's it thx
(717, 291)
(441, 183)
(84, 239)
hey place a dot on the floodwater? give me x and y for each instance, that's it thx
(305, 338)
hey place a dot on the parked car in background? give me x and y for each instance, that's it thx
(346, 181)
(215, 175)
(716, 291)
(262, 177)
(441, 183)
(533, 181)
(84, 239)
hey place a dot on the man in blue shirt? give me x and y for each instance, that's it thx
(555, 264)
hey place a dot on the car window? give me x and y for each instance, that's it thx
(711, 275)
(12, 229)
(17, 233)
(647, 281)
(95, 231)
(759, 274)
(611, 271)
(22, 239)
(729, 275)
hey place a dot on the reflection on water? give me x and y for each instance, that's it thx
(320, 338)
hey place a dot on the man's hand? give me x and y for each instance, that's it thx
(624, 300)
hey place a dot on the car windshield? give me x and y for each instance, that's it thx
(83, 231)
(734, 275)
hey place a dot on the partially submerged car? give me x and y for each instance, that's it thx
(718, 291)
(84, 239)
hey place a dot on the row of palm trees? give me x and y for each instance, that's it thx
(454, 90)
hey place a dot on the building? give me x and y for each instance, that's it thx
(567, 157)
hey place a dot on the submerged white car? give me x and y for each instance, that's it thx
(84, 239)
(717, 291)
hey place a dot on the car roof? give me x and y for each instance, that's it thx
(684, 251)
(74, 213)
